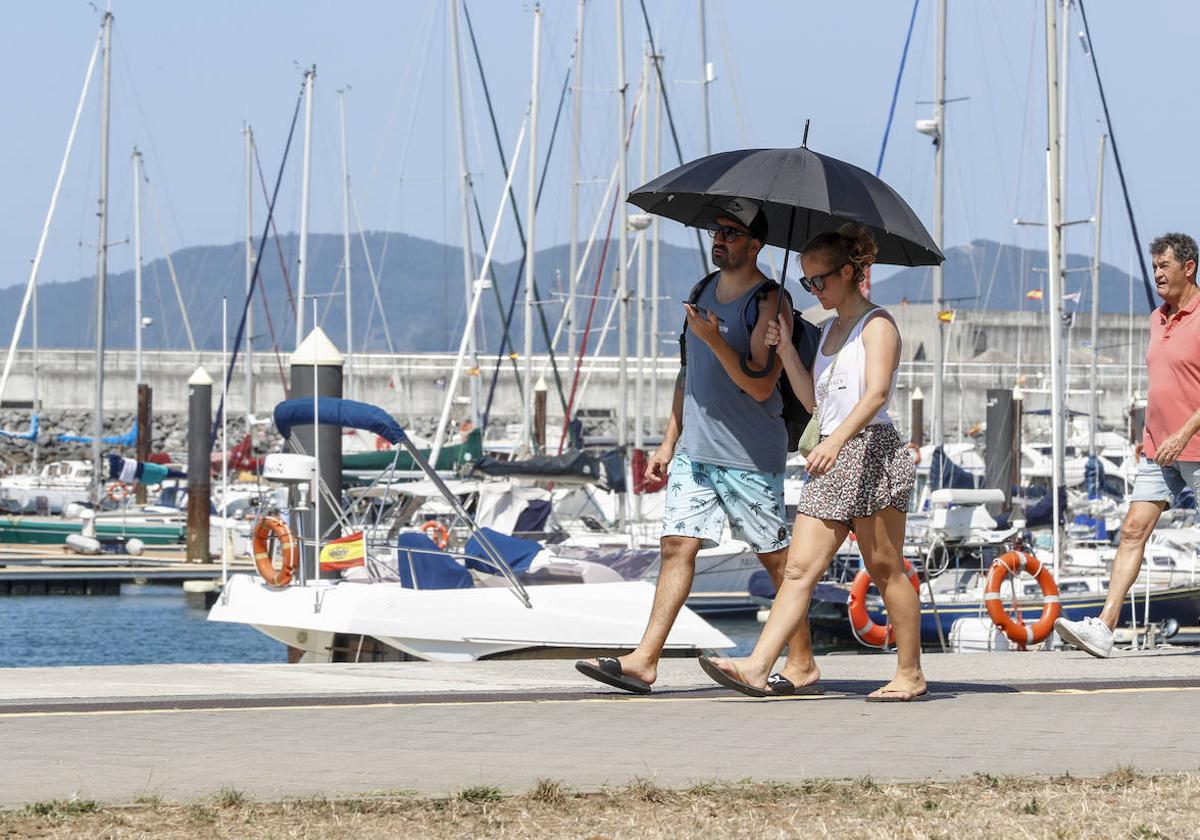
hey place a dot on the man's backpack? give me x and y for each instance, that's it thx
(805, 337)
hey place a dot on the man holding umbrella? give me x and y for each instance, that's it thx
(725, 446)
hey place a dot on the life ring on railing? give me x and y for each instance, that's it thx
(1013, 563)
(866, 630)
(382, 443)
(266, 528)
(118, 491)
(915, 450)
(437, 532)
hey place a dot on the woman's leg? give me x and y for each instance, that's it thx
(880, 538)
(814, 542)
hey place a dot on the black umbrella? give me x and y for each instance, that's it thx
(803, 193)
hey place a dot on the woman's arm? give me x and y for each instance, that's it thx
(779, 335)
(882, 343)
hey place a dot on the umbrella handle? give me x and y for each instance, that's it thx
(744, 361)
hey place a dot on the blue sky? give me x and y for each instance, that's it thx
(186, 77)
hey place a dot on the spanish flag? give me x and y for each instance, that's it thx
(344, 553)
(946, 316)
(1034, 294)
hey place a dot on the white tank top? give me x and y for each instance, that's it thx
(840, 379)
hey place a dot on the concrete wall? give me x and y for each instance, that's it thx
(413, 386)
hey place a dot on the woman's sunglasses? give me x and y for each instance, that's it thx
(816, 283)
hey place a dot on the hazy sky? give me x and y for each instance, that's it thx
(186, 76)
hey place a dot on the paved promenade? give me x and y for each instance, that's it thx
(274, 731)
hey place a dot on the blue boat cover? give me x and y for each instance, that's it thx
(1093, 477)
(944, 473)
(332, 411)
(127, 439)
(1043, 512)
(434, 568)
(518, 553)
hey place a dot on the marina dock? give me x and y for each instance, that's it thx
(46, 570)
(183, 732)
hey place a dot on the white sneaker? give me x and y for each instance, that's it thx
(1090, 635)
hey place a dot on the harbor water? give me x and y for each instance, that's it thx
(156, 624)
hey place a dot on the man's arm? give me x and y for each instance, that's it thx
(660, 460)
(1168, 451)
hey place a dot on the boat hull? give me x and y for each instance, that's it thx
(457, 624)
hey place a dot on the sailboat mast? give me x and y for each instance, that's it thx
(1054, 273)
(1095, 336)
(137, 265)
(655, 261)
(622, 240)
(939, 201)
(102, 259)
(529, 439)
(346, 249)
(639, 401)
(464, 185)
(249, 136)
(577, 137)
(310, 79)
(704, 80)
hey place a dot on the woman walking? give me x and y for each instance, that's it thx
(860, 475)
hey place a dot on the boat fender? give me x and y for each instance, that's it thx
(866, 630)
(82, 545)
(266, 528)
(134, 546)
(1013, 563)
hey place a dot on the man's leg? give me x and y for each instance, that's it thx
(1135, 531)
(800, 667)
(670, 592)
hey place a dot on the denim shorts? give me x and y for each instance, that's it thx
(702, 497)
(1165, 484)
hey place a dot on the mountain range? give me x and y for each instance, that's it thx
(422, 294)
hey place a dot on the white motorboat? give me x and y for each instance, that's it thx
(57, 485)
(385, 602)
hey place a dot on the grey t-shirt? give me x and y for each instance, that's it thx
(722, 424)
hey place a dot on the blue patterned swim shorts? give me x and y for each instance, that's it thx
(702, 497)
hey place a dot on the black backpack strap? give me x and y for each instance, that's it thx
(693, 296)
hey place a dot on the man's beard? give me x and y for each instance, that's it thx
(727, 260)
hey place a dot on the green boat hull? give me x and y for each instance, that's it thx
(29, 530)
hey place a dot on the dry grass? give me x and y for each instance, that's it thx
(1121, 804)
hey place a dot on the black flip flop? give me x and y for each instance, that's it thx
(726, 680)
(781, 686)
(608, 671)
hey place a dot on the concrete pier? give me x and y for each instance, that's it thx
(276, 731)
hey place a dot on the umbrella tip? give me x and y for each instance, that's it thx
(804, 139)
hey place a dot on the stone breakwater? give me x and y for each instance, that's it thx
(169, 434)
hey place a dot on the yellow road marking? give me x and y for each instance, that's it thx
(517, 702)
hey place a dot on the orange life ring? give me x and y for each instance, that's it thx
(382, 443)
(437, 532)
(866, 630)
(915, 450)
(267, 527)
(118, 491)
(1013, 563)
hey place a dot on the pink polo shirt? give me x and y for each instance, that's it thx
(1173, 367)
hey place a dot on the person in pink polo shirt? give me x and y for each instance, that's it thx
(1170, 451)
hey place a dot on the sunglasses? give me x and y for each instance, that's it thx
(817, 281)
(725, 232)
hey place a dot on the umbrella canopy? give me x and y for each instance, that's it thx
(803, 193)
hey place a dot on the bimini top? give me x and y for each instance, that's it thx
(332, 411)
